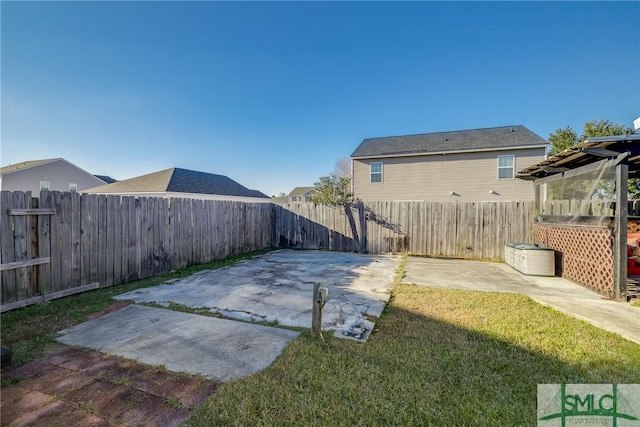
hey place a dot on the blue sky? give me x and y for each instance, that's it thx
(272, 94)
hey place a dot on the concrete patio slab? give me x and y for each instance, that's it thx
(182, 342)
(277, 287)
(562, 294)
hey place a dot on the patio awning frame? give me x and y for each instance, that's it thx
(621, 152)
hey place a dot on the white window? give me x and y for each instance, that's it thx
(376, 171)
(73, 188)
(45, 185)
(506, 166)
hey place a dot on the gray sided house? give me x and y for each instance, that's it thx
(50, 174)
(184, 183)
(300, 194)
(474, 165)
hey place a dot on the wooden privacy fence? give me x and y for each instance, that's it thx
(452, 229)
(66, 243)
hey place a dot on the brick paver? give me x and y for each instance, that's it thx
(77, 387)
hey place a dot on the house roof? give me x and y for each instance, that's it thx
(279, 199)
(585, 153)
(516, 136)
(301, 191)
(105, 178)
(25, 165)
(180, 181)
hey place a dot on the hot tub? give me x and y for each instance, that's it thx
(530, 259)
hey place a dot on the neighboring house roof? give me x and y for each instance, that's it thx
(180, 181)
(301, 191)
(516, 136)
(106, 178)
(279, 199)
(25, 165)
(58, 170)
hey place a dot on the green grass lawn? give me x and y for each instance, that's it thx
(439, 357)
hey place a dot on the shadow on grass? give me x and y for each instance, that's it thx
(440, 357)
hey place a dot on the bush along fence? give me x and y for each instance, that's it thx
(63, 243)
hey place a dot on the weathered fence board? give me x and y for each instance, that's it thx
(76, 231)
(31, 211)
(138, 237)
(68, 242)
(27, 263)
(132, 272)
(124, 240)
(108, 240)
(57, 251)
(110, 246)
(20, 243)
(47, 297)
(117, 243)
(85, 236)
(64, 233)
(8, 277)
(32, 250)
(450, 229)
(44, 241)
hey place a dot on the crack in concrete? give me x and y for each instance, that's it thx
(277, 287)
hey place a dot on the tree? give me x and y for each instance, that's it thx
(343, 168)
(336, 188)
(597, 128)
(562, 139)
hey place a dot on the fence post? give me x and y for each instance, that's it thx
(363, 228)
(620, 236)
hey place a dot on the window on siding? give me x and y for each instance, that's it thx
(45, 185)
(506, 166)
(376, 172)
(73, 188)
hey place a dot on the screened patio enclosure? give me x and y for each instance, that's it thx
(584, 212)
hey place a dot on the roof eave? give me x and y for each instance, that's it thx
(434, 153)
(44, 162)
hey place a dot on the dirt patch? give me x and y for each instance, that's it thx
(76, 386)
(113, 307)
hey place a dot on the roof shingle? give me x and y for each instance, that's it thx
(180, 181)
(461, 140)
(106, 178)
(24, 165)
(301, 191)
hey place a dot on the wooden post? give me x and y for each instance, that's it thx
(620, 230)
(316, 315)
(363, 228)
